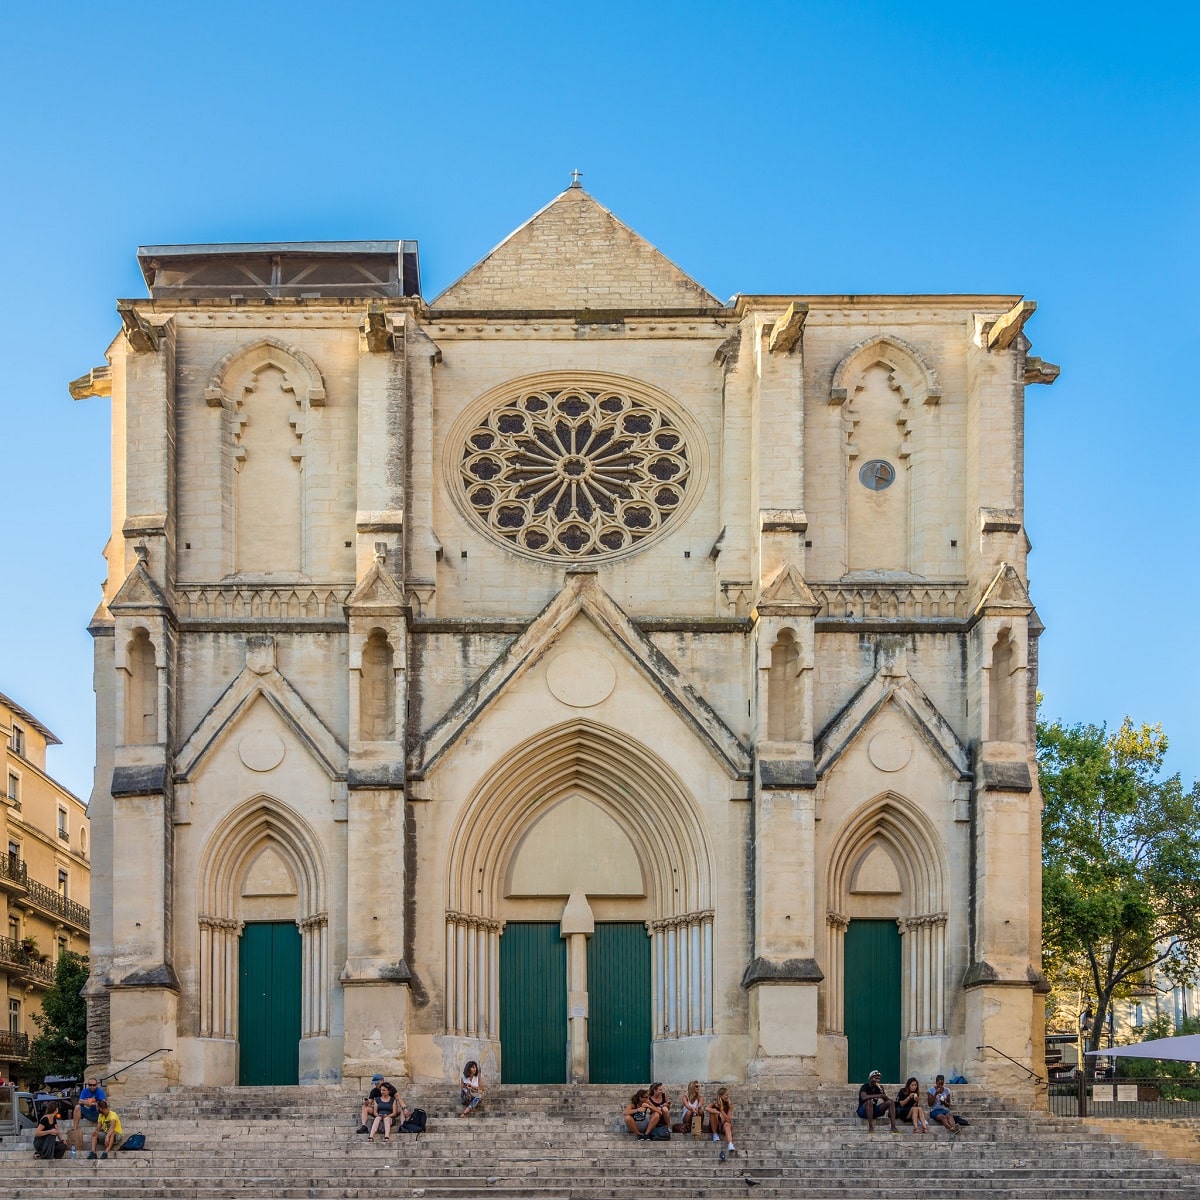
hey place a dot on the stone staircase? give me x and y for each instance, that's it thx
(552, 1142)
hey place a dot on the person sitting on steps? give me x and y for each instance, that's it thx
(47, 1136)
(108, 1124)
(720, 1119)
(639, 1117)
(368, 1104)
(470, 1093)
(939, 1104)
(692, 1116)
(873, 1102)
(908, 1105)
(385, 1108)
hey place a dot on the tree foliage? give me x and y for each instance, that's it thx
(60, 1047)
(1120, 861)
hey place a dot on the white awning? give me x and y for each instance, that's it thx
(1172, 1049)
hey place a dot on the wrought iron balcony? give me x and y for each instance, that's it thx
(13, 1045)
(19, 960)
(49, 901)
(14, 874)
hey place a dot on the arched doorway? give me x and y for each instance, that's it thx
(886, 922)
(263, 940)
(583, 812)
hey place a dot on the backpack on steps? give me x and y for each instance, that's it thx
(414, 1122)
(135, 1141)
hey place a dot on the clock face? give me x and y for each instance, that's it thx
(877, 474)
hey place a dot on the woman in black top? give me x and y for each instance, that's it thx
(47, 1135)
(908, 1105)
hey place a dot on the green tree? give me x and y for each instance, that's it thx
(1120, 861)
(60, 1047)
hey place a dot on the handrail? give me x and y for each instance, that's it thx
(1032, 1074)
(114, 1074)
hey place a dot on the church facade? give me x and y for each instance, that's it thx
(574, 672)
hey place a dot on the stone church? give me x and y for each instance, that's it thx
(574, 672)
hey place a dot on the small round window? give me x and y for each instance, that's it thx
(877, 474)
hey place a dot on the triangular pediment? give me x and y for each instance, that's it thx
(582, 596)
(909, 698)
(1006, 593)
(138, 591)
(787, 594)
(571, 256)
(255, 683)
(376, 592)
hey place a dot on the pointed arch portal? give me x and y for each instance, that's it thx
(262, 873)
(640, 810)
(886, 863)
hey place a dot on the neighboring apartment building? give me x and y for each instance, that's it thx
(44, 878)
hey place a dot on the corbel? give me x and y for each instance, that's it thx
(1037, 370)
(787, 330)
(141, 334)
(378, 331)
(97, 382)
(1005, 329)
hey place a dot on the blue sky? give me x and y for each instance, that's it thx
(766, 148)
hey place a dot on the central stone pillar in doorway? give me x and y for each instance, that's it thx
(577, 925)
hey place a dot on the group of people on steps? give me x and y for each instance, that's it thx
(383, 1106)
(873, 1103)
(648, 1115)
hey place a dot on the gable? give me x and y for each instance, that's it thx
(918, 713)
(583, 595)
(260, 683)
(575, 255)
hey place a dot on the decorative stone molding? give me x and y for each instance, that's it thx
(258, 602)
(886, 600)
(910, 375)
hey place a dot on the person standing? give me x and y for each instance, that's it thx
(873, 1102)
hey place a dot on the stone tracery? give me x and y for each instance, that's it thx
(575, 471)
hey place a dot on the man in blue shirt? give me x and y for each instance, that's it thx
(86, 1108)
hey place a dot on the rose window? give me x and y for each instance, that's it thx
(575, 472)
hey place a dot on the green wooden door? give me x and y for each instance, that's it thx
(619, 1030)
(533, 1003)
(269, 1004)
(872, 1005)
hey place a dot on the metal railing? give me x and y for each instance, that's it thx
(14, 869)
(13, 1045)
(27, 962)
(47, 899)
(1164, 1097)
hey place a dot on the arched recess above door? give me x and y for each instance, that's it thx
(623, 779)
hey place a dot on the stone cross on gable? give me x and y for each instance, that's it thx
(576, 176)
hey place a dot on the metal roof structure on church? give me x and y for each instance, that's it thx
(282, 270)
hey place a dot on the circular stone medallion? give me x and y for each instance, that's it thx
(581, 678)
(889, 751)
(261, 751)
